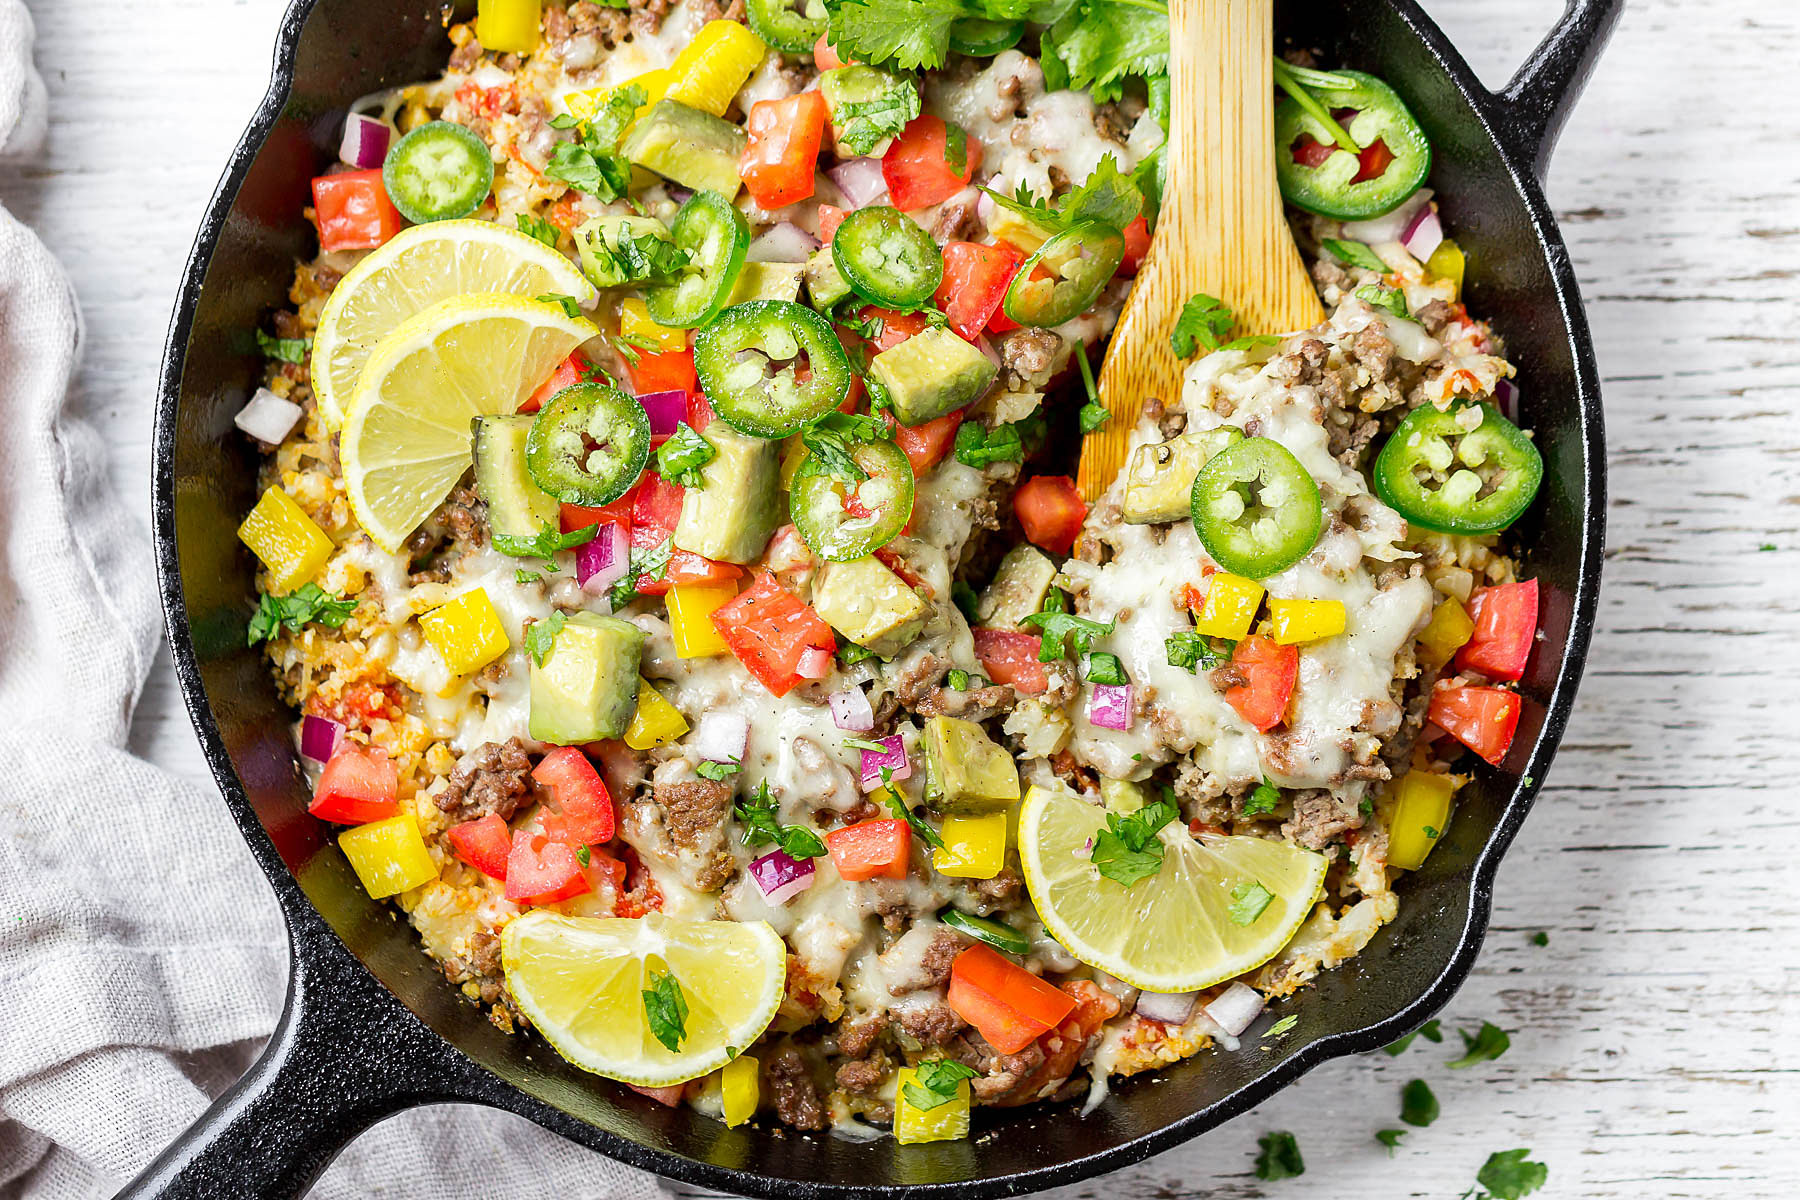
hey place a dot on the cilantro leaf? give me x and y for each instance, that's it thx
(653, 562)
(1485, 1044)
(849, 653)
(716, 771)
(287, 350)
(1248, 900)
(1192, 650)
(1391, 299)
(1093, 416)
(1540, 938)
(1263, 800)
(956, 147)
(1103, 41)
(545, 543)
(591, 163)
(666, 1010)
(542, 635)
(1357, 254)
(1065, 632)
(897, 806)
(307, 604)
(584, 856)
(1204, 321)
(939, 1082)
(537, 227)
(907, 34)
(1508, 1175)
(1390, 1138)
(1279, 1157)
(832, 438)
(1128, 849)
(865, 124)
(615, 255)
(1106, 196)
(571, 309)
(1429, 1031)
(523, 576)
(977, 446)
(763, 827)
(1418, 1107)
(680, 458)
(1103, 668)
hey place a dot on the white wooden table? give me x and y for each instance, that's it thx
(1655, 1045)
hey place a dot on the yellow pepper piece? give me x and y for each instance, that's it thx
(1447, 262)
(655, 722)
(691, 606)
(389, 855)
(507, 26)
(466, 632)
(1231, 604)
(1449, 628)
(740, 1090)
(793, 453)
(1294, 621)
(290, 544)
(635, 324)
(1421, 814)
(709, 72)
(583, 105)
(945, 1123)
(974, 847)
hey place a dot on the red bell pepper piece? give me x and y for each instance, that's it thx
(917, 165)
(882, 846)
(353, 211)
(830, 217)
(655, 510)
(579, 516)
(572, 371)
(1007, 1005)
(782, 157)
(1269, 671)
(1137, 245)
(670, 371)
(584, 811)
(976, 277)
(1506, 619)
(1482, 718)
(1051, 511)
(926, 445)
(540, 870)
(1012, 658)
(484, 844)
(769, 628)
(356, 787)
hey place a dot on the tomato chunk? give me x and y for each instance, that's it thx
(1007, 1005)
(484, 844)
(1269, 672)
(825, 57)
(583, 813)
(782, 156)
(896, 327)
(670, 371)
(1506, 619)
(975, 282)
(926, 445)
(769, 628)
(1373, 162)
(1012, 658)
(917, 166)
(1137, 245)
(670, 1095)
(830, 217)
(572, 371)
(869, 848)
(1482, 718)
(540, 870)
(356, 787)
(1051, 510)
(353, 211)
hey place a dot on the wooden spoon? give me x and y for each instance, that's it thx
(1221, 230)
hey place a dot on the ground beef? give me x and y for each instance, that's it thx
(693, 810)
(1004, 1079)
(957, 220)
(859, 1040)
(862, 1076)
(481, 965)
(1027, 355)
(464, 517)
(919, 679)
(979, 705)
(1319, 820)
(788, 1080)
(647, 15)
(929, 1025)
(496, 778)
(1328, 274)
(465, 56)
(938, 957)
(1373, 350)
(1434, 316)
(1112, 122)
(718, 872)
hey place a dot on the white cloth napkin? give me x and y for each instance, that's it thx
(142, 959)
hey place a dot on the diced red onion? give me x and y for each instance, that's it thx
(1235, 1007)
(987, 348)
(815, 663)
(893, 758)
(670, 1095)
(783, 243)
(860, 180)
(320, 737)
(850, 710)
(268, 418)
(1389, 226)
(1506, 399)
(1173, 1008)
(365, 141)
(603, 561)
(679, 194)
(1111, 706)
(666, 410)
(781, 878)
(1423, 234)
(721, 736)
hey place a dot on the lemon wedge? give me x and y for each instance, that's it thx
(582, 981)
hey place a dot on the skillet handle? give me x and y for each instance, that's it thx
(1530, 110)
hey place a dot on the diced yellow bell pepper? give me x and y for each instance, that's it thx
(389, 855)
(289, 543)
(507, 26)
(1446, 262)
(691, 606)
(740, 1091)
(1293, 621)
(945, 1123)
(466, 632)
(1421, 814)
(584, 104)
(974, 847)
(715, 65)
(1231, 604)
(655, 722)
(635, 324)
(1449, 628)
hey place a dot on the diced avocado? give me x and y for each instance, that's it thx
(1018, 230)
(965, 772)
(1018, 588)
(856, 85)
(694, 148)
(1121, 796)
(932, 373)
(869, 604)
(825, 284)
(516, 505)
(599, 239)
(768, 281)
(586, 687)
(730, 516)
(1160, 477)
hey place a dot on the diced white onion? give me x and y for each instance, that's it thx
(268, 418)
(1389, 226)
(850, 710)
(1423, 234)
(1173, 1008)
(1235, 1007)
(783, 243)
(721, 736)
(860, 180)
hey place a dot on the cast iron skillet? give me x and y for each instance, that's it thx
(371, 1028)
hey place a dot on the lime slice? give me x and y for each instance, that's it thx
(581, 980)
(417, 268)
(406, 438)
(1176, 930)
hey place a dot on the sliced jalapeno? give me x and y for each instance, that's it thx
(588, 445)
(844, 519)
(438, 172)
(1062, 280)
(794, 28)
(997, 934)
(771, 367)
(1255, 508)
(1322, 177)
(716, 238)
(887, 258)
(984, 37)
(1469, 470)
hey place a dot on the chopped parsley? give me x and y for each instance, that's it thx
(1191, 651)
(763, 827)
(1429, 1031)
(716, 771)
(1484, 1045)
(1391, 299)
(1065, 633)
(545, 543)
(666, 1011)
(939, 1081)
(1390, 1138)
(542, 635)
(1418, 1107)
(535, 226)
(571, 309)
(1101, 667)
(1263, 800)
(307, 604)
(1279, 1157)
(865, 124)
(680, 458)
(1357, 254)
(1248, 901)
(1128, 849)
(1509, 1175)
(287, 350)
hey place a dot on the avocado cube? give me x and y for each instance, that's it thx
(768, 281)
(932, 373)
(694, 148)
(825, 284)
(1018, 588)
(516, 505)
(869, 604)
(586, 687)
(1160, 477)
(737, 506)
(965, 772)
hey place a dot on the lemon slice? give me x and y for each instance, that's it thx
(406, 435)
(413, 271)
(1174, 931)
(581, 980)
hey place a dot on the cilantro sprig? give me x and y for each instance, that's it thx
(939, 1080)
(1279, 1157)
(1065, 632)
(1128, 850)
(592, 162)
(1484, 1045)
(680, 458)
(763, 827)
(308, 604)
(545, 543)
(1193, 651)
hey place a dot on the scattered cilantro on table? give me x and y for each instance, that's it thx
(1279, 1157)
(1485, 1044)
(1418, 1106)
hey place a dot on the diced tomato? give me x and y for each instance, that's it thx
(605, 874)
(583, 813)
(699, 411)
(655, 511)
(572, 371)
(824, 56)
(490, 103)
(353, 211)
(1137, 245)
(1012, 658)
(1373, 161)
(356, 787)
(1007, 1005)
(670, 1095)
(870, 848)
(975, 281)
(769, 628)
(568, 212)
(578, 516)
(830, 217)
(1309, 151)
(1482, 718)
(1063, 1046)
(782, 156)
(1269, 671)
(917, 167)
(927, 444)
(896, 327)
(484, 844)
(1051, 510)
(1506, 619)
(670, 371)
(542, 871)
